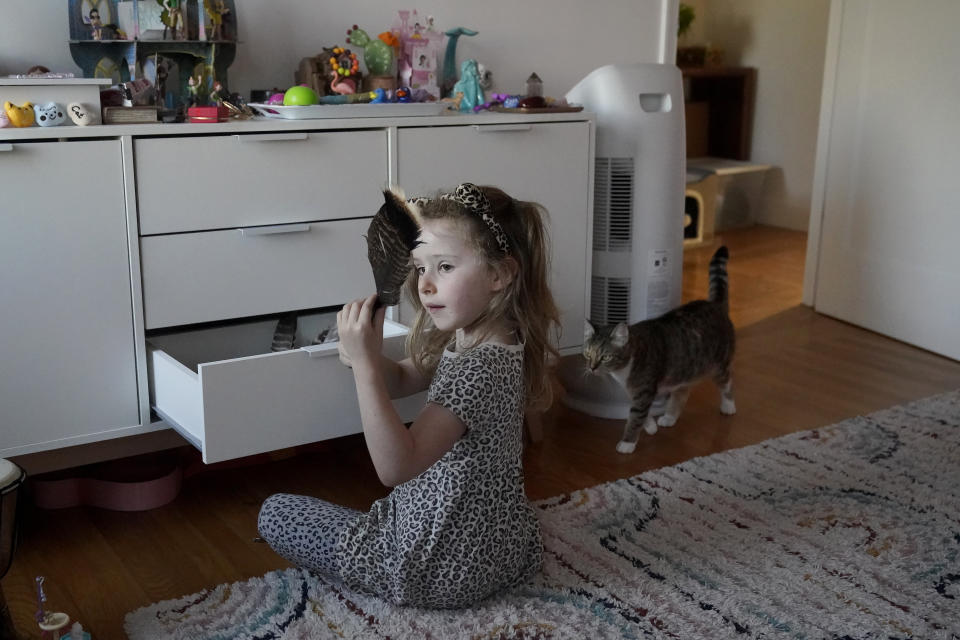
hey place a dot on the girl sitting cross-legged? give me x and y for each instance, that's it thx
(457, 526)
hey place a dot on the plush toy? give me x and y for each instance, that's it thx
(4, 120)
(49, 115)
(21, 116)
(80, 115)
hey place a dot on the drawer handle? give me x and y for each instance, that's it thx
(320, 350)
(272, 137)
(274, 229)
(499, 128)
(6, 147)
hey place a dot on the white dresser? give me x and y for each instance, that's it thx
(143, 267)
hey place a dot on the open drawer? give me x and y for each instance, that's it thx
(225, 391)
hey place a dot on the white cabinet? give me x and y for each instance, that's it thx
(548, 163)
(68, 370)
(154, 260)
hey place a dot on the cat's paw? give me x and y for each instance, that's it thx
(650, 425)
(728, 407)
(626, 447)
(666, 420)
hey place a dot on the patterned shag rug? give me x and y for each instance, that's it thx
(849, 531)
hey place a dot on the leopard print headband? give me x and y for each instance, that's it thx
(471, 197)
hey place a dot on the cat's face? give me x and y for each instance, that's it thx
(606, 347)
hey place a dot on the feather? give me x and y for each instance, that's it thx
(391, 237)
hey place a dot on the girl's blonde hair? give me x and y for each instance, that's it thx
(526, 304)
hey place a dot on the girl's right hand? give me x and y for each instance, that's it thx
(361, 331)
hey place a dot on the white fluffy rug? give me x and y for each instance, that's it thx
(848, 531)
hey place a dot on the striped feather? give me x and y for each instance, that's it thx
(391, 237)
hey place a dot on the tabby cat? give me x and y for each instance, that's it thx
(667, 355)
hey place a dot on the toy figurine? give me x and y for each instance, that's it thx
(21, 116)
(215, 93)
(96, 26)
(48, 621)
(49, 115)
(377, 54)
(192, 87)
(171, 17)
(79, 114)
(469, 85)
(4, 120)
(216, 9)
(449, 71)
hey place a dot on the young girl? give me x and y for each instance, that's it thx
(457, 527)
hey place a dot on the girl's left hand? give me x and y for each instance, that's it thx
(361, 331)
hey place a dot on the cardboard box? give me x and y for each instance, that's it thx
(208, 114)
(63, 91)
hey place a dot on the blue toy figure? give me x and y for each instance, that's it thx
(469, 86)
(449, 77)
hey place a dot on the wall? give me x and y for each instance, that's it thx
(561, 40)
(786, 41)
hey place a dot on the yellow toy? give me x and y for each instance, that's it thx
(20, 116)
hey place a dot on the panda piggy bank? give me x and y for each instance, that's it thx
(49, 115)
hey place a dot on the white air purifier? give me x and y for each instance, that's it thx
(638, 211)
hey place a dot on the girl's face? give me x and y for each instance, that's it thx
(455, 285)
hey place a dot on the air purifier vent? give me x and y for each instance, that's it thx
(613, 204)
(609, 300)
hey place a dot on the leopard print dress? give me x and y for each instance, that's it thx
(462, 529)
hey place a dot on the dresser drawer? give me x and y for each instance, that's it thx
(190, 278)
(226, 393)
(217, 182)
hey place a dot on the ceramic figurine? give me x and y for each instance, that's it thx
(49, 115)
(469, 86)
(21, 116)
(449, 72)
(377, 54)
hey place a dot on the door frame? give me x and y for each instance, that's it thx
(820, 167)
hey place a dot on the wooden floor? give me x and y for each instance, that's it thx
(794, 370)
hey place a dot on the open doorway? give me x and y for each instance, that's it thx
(752, 100)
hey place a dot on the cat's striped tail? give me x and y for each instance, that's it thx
(718, 277)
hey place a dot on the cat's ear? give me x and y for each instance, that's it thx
(588, 330)
(620, 335)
